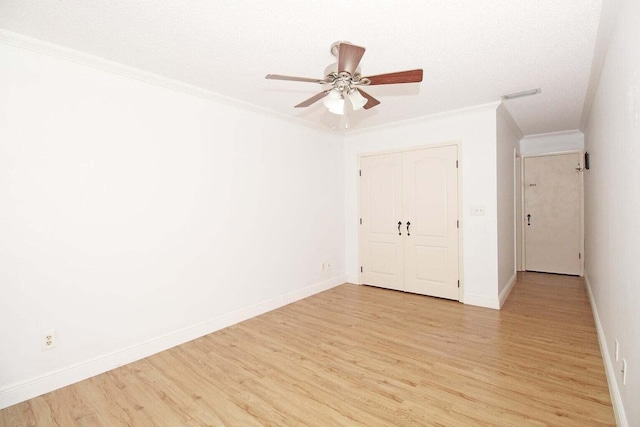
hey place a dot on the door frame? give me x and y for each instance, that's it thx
(458, 145)
(519, 209)
(580, 195)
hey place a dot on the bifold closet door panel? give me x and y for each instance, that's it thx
(430, 186)
(381, 250)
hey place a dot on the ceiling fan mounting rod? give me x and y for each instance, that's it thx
(335, 47)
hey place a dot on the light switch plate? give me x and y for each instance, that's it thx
(477, 210)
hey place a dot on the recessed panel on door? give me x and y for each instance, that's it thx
(426, 193)
(381, 209)
(383, 259)
(431, 208)
(432, 264)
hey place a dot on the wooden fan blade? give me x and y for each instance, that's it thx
(411, 76)
(349, 57)
(313, 99)
(371, 101)
(292, 78)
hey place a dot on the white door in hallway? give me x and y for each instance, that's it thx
(409, 215)
(552, 214)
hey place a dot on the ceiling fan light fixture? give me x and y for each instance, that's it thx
(357, 100)
(343, 78)
(334, 102)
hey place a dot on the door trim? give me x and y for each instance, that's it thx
(458, 145)
(519, 209)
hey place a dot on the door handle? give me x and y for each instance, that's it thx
(528, 219)
(399, 232)
(408, 224)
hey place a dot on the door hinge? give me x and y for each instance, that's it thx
(360, 221)
(458, 283)
(458, 223)
(456, 164)
(361, 269)
(579, 255)
(360, 172)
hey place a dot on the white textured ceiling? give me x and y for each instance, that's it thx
(472, 51)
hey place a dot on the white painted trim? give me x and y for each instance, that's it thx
(582, 248)
(456, 142)
(359, 226)
(461, 293)
(551, 134)
(65, 53)
(422, 119)
(482, 301)
(507, 289)
(555, 153)
(614, 391)
(93, 61)
(57, 379)
(523, 246)
(518, 209)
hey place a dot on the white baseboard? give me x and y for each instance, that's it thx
(507, 289)
(29, 389)
(614, 391)
(481, 301)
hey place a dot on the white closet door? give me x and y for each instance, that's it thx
(431, 208)
(381, 210)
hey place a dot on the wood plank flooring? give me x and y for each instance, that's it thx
(362, 356)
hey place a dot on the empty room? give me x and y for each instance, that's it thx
(341, 213)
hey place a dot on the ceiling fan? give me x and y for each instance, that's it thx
(345, 81)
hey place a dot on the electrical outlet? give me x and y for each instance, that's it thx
(49, 340)
(328, 264)
(324, 266)
(617, 352)
(624, 372)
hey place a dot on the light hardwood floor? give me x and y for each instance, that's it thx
(362, 356)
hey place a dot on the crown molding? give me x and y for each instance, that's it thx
(60, 52)
(551, 134)
(97, 62)
(422, 119)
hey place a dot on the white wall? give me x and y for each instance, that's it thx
(508, 135)
(556, 142)
(134, 217)
(475, 129)
(612, 208)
